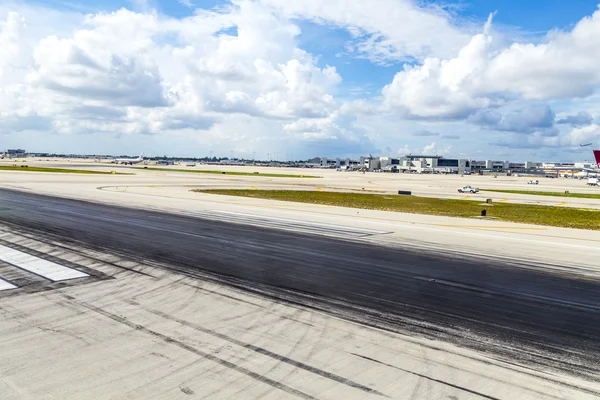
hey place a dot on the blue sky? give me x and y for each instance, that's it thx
(531, 15)
(339, 78)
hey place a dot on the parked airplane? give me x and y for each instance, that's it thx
(129, 161)
(3, 155)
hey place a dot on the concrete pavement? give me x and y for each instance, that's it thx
(160, 318)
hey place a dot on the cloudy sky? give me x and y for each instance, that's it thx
(502, 79)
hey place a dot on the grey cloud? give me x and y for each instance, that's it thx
(79, 57)
(125, 83)
(581, 118)
(485, 117)
(230, 72)
(97, 113)
(189, 122)
(452, 137)
(341, 146)
(245, 107)
(28, 123)
(248, 106)
(516, 145)
(458, 115)
(425, 133)
(526, 120)
(550, 132)
(310, 112)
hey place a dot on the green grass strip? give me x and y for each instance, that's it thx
(522, 213)
(553, 194)
(61, 170)
(200, 171)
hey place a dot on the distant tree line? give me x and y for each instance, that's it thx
(156, 158)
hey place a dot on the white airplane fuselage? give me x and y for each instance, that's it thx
(129, 161)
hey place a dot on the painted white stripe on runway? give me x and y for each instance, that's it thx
(6, 286)
(38, 266)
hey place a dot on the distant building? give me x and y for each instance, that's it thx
(434, 164)
(490, 165)
(12, 153)
(387, 162)
(369, 163)
(558, 165)
(532, 165)
(346, 163)
(586, 164)
(324, 162)
(423, 163)
(516, 166)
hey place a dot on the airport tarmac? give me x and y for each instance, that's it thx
(439, 186)
(244, 298)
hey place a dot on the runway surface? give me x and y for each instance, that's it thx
(524, 314)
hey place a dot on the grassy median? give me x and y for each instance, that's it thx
(553, 194)
(200, 171)
(26, 168)
(523, 213)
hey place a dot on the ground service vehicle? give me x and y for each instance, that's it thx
(468, 189)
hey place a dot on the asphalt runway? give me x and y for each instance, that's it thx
(518, 313)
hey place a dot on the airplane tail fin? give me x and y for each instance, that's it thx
(597, 156)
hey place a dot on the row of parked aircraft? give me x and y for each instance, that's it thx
(127, 161)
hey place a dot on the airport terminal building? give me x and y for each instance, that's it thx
(416, 164)
(434, 164)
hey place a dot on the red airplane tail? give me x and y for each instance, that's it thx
(597, 156)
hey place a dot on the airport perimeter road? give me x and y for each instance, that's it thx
(523, 322)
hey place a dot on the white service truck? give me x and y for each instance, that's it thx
(468, 189)
(592, 181)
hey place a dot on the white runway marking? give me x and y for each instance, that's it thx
(305, 226)
(6, 286)
(38, 266)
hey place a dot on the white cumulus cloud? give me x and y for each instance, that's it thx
(390, 30)
(127, 72)
(483, 75)
(431, 149)
(237, 76)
